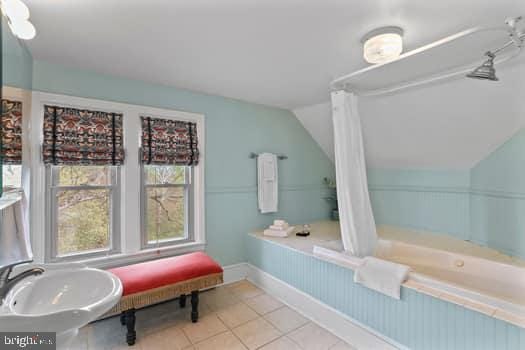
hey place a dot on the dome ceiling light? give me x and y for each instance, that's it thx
(17, 15)
(382, 44)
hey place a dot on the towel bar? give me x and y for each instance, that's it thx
(280, 156)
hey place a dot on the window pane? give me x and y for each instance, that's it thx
(165, 213)
(83, 175)
(83, 221)
(165, 174)
(12, 176)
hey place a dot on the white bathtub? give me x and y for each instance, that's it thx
(494, 284)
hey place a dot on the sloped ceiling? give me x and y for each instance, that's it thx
(275, 52)
(452, 125)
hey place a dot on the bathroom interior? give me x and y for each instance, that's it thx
(317, 175)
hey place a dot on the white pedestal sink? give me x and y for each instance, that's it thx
(62, 299)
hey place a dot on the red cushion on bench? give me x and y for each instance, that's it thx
(158, 273)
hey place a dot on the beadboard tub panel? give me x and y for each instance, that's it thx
(418, 321)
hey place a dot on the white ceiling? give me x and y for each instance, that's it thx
(275, 52)
(452, 125)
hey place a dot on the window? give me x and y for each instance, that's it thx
(167, 195)
(83, 207)
(11, 177)
(11, 142)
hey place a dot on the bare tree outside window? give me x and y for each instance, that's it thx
(82, 199)
(165, 200)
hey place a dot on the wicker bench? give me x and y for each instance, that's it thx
(160, 280)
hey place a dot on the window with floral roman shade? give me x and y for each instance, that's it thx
(169, 142)
(82, 137)
(11, 131)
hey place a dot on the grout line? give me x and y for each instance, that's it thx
(226, 331)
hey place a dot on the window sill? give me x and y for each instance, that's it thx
(115, 260)
(10, 198)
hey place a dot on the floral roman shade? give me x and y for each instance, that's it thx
(82, 137)
(11, 131)
(169, 142)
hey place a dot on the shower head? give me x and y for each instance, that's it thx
(486, 71)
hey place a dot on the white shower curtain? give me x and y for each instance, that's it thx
(358, 229)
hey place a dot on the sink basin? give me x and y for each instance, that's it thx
(62, 299)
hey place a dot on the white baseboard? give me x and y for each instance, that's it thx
(351, 331)
(234, 273)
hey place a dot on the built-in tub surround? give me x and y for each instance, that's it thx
(481, 204)
(426, 317)
(468, 277)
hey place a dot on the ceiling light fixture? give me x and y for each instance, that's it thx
(382, 45)
(17, 15)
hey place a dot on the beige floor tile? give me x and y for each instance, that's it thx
(236, 315)
(156, 318)
(263, 303)
(106, 334)
(169, 339)
(218, 299)
(207, 327)
(342, 346)
(244, 289)
(256, 333)
(125, 346)
(286, 319)
(313, 337)
(282, 343)
(223, 341)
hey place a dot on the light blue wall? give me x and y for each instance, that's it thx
(498, 198)
(436, 201)
(17, 63)
(417, 321)
(233, 130)
(485, 204)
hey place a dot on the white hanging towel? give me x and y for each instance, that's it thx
(267, 182)
(383, 276)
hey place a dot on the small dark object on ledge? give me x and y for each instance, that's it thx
(302, 234)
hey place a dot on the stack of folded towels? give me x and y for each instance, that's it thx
(280, 228)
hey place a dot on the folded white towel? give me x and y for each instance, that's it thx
(383, 276)
(279, 233)
(279, 227)
(267, 182)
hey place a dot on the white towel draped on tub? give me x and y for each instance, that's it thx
(383, 276)
(267, 182)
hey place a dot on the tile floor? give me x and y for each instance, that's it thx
(237, 316)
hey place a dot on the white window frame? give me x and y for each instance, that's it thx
(195, 205)
(13, 189)
(188, 219)
(131, 250)
(53, 189)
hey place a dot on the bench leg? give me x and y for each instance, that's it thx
(194, 306)
(131, 335)
(182, 301)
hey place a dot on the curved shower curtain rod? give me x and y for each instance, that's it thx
(516, 39)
